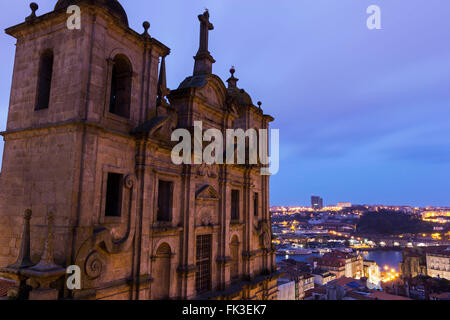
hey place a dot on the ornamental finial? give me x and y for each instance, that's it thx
(146, 26)
(24, 258)
(34, 7)
(232, 81)
(47, 263)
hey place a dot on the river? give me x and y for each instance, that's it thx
(389, 258)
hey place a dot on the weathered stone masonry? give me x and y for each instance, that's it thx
(99, 170)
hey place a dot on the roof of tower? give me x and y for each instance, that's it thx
(112, 5)
(241, 97)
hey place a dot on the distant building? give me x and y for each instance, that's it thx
(306, 283)
(286, 289)
(299, 273)
(344, 204)
(322, 277)
(372, 273)
(342, 264)
(316, 203)
(349, 289)
(440, 296)
(438, 264)
(335, 266)
(318, 293)
(413, 263)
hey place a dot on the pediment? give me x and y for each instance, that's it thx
(162, 121)
(211, 95)
(207, 193)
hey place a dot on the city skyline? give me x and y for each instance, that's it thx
(333, 204)
(378, 135)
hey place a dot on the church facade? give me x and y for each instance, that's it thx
(88, 159)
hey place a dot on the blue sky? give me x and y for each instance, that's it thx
(364, 115)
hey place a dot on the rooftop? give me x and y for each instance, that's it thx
(380, 295)
(4, 286)
(113, 7)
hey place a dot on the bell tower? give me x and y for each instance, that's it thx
(76, 96)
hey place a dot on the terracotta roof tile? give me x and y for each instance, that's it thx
(379, 295)
(4, 286)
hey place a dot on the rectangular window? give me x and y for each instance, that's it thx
(114, 195)
(256, 204)
(235, 198)
(203, 274)
(44, 80)
(165, 199)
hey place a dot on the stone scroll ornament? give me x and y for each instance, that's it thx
(105, 235)
(95, 262)
(130, 181)
(94, 265)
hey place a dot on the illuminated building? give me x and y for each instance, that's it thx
(316, 203)
(438, 264)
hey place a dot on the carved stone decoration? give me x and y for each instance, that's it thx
(94, 265)
(130, 181)
(206, 170)
(24, 260)
(47, 263)
(207, 193)
(265, 240)
(263, 232)
(46, 272)
(206, 219)
(34, 7)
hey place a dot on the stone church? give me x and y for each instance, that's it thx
(87, 182)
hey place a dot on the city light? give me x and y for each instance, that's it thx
(389, 275)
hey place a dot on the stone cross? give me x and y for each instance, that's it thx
(203, 59)
(205, 27)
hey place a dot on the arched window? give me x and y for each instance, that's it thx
(234, 253)
(161, 273)
(44, 80)
(121, 79)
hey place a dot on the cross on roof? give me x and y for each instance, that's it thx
(205, 27)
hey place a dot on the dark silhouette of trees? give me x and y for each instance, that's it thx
(386, 222)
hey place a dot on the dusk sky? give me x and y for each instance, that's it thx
(364, 115)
